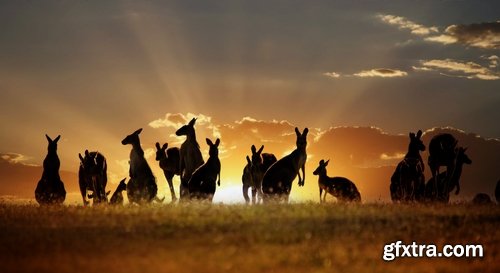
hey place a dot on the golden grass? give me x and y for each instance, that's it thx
(237, 238)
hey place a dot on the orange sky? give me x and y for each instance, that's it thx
(95, 72)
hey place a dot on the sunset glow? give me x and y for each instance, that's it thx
(250, 72)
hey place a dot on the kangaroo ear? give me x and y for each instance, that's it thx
(254, 150)
(158, 146)
(87, 153)
(57, 138)
(209, 142)
(217, 142)
(81, 157)
(48, 138)
(412, 135)
(192, 122)
(138, 131)
(297, 131)
(305, 132)
(260, 150)
(248, 160)
(326, 163)
(419, 133)
(165, 146)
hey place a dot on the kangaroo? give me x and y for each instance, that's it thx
(50, 188)
(442, 152)
(497, 192)
(190, 156)
(408, 181)
(92, 176)
(142, 186)
(277, 181)
(117, 197)
(169, 163)
(445, 185)
(254, 171)
(202, 182)
(482, 199)
(340, 187)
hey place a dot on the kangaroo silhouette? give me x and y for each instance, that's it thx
(190, 156)
(277, 181)
(169, 161)
(442, 152)
(50, 188)
(497, 192)
(142, 186)
(408, 181)
(117, 197)
(446, 182)
(202, 182)
(340, 187)
(482, 199)
(92, 175)
(254, 171)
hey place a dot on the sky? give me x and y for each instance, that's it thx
(96, 71)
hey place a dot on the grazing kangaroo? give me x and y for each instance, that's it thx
(442, 152)
(117, 197)
(169, 161)
(50, 188)
(202, 182)
(142, 186)
(408, 181)
(444, 185)
(277, 181)
(482, 199)
(92, 175)
(254, 171)
(190, 156)
(340, 187)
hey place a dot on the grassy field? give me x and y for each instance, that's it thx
(237, 238)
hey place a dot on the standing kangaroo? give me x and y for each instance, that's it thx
(253, 173)
(92, 175)
(497, 192)
(340, 187)
(447, 182)
(442, 152)
(50, 188)
(202, 182)
(408, 181)
(169, 161)
(277, 181)
(190, 156)
(117, 197)
(142, 186)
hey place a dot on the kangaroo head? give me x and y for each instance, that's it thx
(214, 151)
(52, 143)
(122, 186)
(416, 143)
(90, 163)
(161, 151)
(187, 129)
(301, 138)
(256, 155)
(132, 138)
(321, 168)
(462, 157)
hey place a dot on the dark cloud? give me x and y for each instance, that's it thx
(481, 35)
